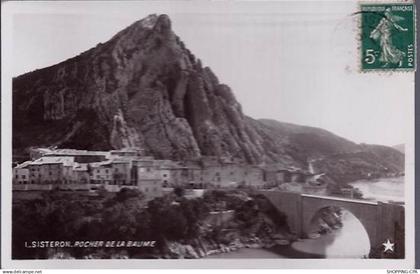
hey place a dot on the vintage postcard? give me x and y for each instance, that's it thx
(268, 134)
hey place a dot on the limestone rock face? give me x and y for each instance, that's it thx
(141, 88)
(144, 88)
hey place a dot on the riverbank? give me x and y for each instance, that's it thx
(257, 252)
(202, 248)
(255, 248)
(275, 252)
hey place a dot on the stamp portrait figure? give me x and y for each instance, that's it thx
(390, 54)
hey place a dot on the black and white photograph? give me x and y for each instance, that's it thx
(148, 131)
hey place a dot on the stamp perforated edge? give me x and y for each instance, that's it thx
(388, 71)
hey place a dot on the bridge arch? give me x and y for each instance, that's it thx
(366, 213)
(353, 228)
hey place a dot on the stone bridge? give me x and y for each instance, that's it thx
(382, 221)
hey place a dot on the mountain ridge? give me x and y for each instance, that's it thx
(144, 88)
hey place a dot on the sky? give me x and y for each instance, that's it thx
(295, 62)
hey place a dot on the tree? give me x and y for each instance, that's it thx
(179, 191)
(127, 193)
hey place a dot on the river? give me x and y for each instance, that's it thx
(350, 241)
(384, 190)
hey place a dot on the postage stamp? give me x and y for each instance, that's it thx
(388, 36)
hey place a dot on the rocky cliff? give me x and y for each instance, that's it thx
(144, 88)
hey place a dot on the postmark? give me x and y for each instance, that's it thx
(388, 37)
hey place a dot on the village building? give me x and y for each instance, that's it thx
(68, 173)
(21, 173)
(164, 169)
(81, 173)
(195, 177)
(79, 156)
(116, 169)
(295, 180)
(131, 153)
(47, 170)
(121, 171)
(149, 179)
(305, 183)
(101, 173)
(176, 174)
(253, 176)
(232, 175)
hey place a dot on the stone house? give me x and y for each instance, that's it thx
(253, 176)
(102, 173)
(195, 177)
(21, 173)
(164, 168)
(275, 177)
(47, 170)
(174, 173)
(51, 173)
(149, 180)
(233, 175)
(81, 174)
(121, 172)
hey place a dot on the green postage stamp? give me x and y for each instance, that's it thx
(388, 36)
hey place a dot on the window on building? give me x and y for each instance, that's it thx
(17, 176)
(23, 176)
(148, 169)
(165, 175)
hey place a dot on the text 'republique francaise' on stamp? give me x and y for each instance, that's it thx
(388, 37)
